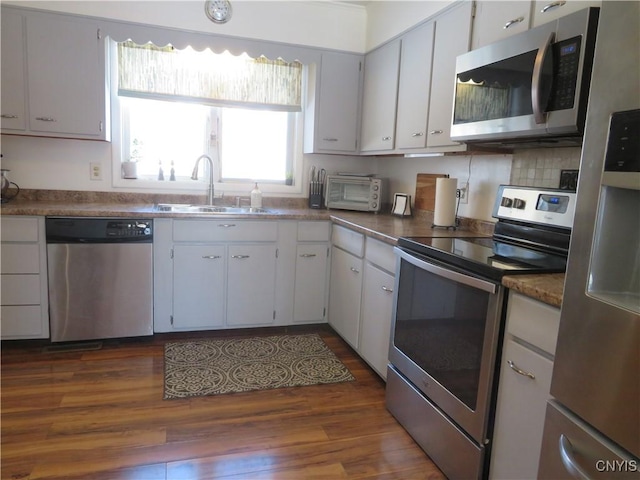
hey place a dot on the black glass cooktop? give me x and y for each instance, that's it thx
(485, 256)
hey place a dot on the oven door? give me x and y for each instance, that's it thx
(445, 338)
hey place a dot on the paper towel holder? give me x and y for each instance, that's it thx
(401, 205)
(456, 202)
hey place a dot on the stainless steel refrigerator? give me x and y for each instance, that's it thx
(592, 425)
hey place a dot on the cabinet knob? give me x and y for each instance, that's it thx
(510, 23)
(552, 5)
(515, 368)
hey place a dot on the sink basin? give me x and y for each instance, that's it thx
(180, 207)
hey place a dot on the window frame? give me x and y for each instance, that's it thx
(295, 153)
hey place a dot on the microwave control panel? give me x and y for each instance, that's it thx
(566, 59)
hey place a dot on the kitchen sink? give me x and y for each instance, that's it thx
(180, 207)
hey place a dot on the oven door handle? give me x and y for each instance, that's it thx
(446, 273)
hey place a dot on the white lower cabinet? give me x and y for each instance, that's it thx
(345, 290)
(232, 273)
(525, 381)
(251, 280)
(198, 286)
(24, 307)
(309, 304)
(377, 303)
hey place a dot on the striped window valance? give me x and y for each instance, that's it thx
(207, 77)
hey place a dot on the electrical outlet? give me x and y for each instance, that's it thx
(463, 193)
(95, 171)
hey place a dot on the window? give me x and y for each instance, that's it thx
(175, 105)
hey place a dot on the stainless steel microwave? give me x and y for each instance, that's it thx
(530, 89)
(354, 192)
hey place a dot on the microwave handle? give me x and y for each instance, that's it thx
(536, 83)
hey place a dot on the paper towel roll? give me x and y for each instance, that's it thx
(445, 206)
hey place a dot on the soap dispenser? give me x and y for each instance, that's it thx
(256, 197)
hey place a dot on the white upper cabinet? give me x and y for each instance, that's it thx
(13, 70)
(65, 83)
(379, 98)
(333, 104)
(453, 37)
(414, 87)
(548, 10)
(495, 20)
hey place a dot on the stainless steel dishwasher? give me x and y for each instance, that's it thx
(100, 275)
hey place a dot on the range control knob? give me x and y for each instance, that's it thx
(506, 202)
(519, 203)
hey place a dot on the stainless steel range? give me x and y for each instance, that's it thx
(448, 318)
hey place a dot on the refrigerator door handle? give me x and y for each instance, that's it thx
(569, 461)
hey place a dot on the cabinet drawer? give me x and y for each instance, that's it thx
(313, 231)
(533, 321)
(22, 322)
(381, 254)
(352, 242)
(20, 289)
(19, 229)
(20, 258)
(224, 230)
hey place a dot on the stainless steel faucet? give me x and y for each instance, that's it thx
(194, 175)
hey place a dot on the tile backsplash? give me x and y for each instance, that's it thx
(541, 167)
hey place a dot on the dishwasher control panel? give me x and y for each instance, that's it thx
(98, 230)
(129, 228)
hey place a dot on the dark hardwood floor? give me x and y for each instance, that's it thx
(99, 415)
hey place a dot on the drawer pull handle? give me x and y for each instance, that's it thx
(240, 257)
(46, 119)
(227, 225)
(7, 115)
(308, 255)
(569, 461)
(418, 134)
(211, 257)
(354, 270)
(515, 368)
(386, 139)
(387, 289)
(330, 139)
(552, 5)
(436, 132)
(511, 23)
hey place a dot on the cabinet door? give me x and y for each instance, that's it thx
(414, 87)
(66, 78)
(377, 303)
(453, 32)
(335, 107)
(251, 280)
(345, 290)
(545, 11)
(497, 20)
(12, 72)
(379, 98)
(311, 279)
(520, 413)
(198, 286)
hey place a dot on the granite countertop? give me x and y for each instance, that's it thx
(547, 288)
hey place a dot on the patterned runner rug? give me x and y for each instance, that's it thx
(212, 367)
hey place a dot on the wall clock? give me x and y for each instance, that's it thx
(218, 11)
